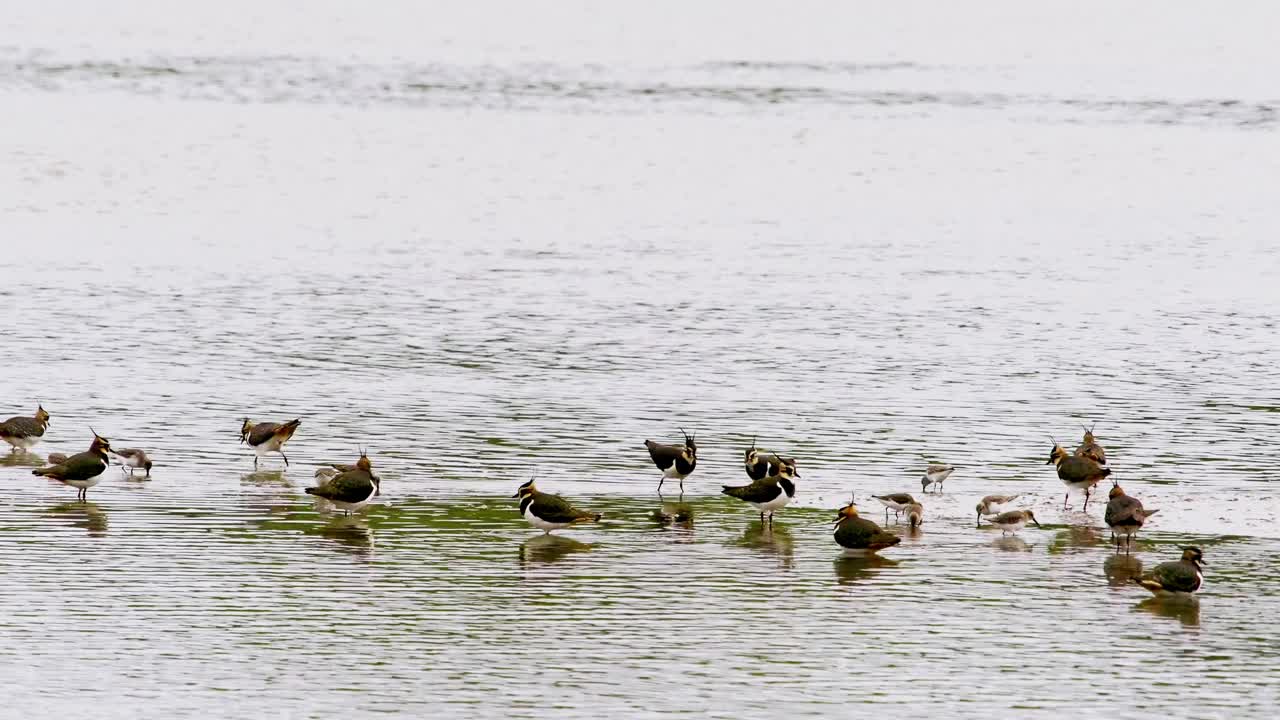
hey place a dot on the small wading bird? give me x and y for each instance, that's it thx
(935, 474)
(896, 502)
(55, 458)
(132, 459)
(22, 433)
(1176, 580)
(769, 494)
(549, 512)
(675, 461)
(859, 536)
(993, 504)
(1125, 516)
(1090, 448)
(82, 470)
(1076, 472)
(267, 438)
(1013, 521)
(915, 515)
(352, 489)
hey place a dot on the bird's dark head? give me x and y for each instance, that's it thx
(751, 454)
(1193, 554)
(1031, 516)
(848, 511)
(147, 465)
(1057, 454)
(689, 442)
(246, 426)
(1116, 491)
(42, 415)
(100, 445)
(525, 490)
(924, 484)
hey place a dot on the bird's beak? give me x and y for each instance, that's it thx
(1037, 522)
(1049, 461)
(796, 473)
(1202, 562)
(516, 495)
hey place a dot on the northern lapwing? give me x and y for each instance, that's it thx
(896, 502)
(267, 437)
(82, 470)
(761, 464)
(351, 490)
(859, 536)
(675, 461)
(915, 515)
(332, 470)
(1089, 447)
(1177, 579)
(1077, 472)
(549, 512)
(993, 504)
(133, 459)
(1125, 516)
(22, 433)
(935, 474)
(1013, 521)
(769, 494)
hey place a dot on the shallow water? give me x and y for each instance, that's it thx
(487, 252)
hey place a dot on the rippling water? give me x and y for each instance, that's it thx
(487, 251)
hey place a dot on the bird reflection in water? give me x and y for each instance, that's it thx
(1122, 570)
(773, 539)
(1011, 543)
(351, 534)
(265, 478)
(1076, 537)
(83, 514)
(546, 549)
(21, 458)
(674, 514)
(1184, 610)
(851, 569)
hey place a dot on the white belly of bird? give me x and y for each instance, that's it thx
(939, 476)
(774, 504)
(541, 524)
(272, 445)
(1013, 526)
(133, 462)
(994, 508)
(672, 473)
(1079, 486)
(83, 484)
(891, 504)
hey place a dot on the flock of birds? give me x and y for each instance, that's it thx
(773, 485)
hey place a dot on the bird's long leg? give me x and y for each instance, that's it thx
(286, 458)
(682, 486)
(1065, 498)
(762, 517)
(255, 463)
(660, 481)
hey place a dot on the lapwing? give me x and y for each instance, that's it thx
(82, 470)
(859, 536)
(133, 459)
(332, 470)
(1077, 472)
(351, 490)
(675, 461)
(761, 464)
(935, 474)
(549, 512)
(1177, 579)
(992, 505)
(915, 515)
(769, 494)
(1125, 516)
(896, 502)
(1013, 521)
(267, 437)
(1090, 448)
(22, 433)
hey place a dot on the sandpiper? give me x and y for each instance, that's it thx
(675, 461)
(22, 433)
(859, 536)
(267, 437)
(1090, 448)
(56, 458)
(1013, 521)
(1177, 579)
(549, 512)
(1076, 472)
(915, 515)
(132, 459)
(896, 502)
(350, 490)
(935, 474)
(1125, 516)
(82, 470)
(767, 495)
(992, 505)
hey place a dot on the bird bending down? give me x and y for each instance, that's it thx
(1076, 472)
(22, 433)
(770, 493)
(82, 470)
(132, 459)
(859, 536)
(350, 490)
(992, 504)
(935, 474)
(549, 512)
(1176, 579)
(915, 515)
(1125, 516)
(267, 438)
(896, 502)
(675, 461)
(1013, 521)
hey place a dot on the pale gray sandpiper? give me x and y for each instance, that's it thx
(267, 437)
(768, 495)
(676, 462)
(1013, 521)
(1125, 516)
(935, 475)
(915, 515)
(22, 433)
(859, 536)
(133, 459)
(549, 512)
(1076, 472)
(55, 458)
(896, 502)
(1177, 580)
(993, 505)
(1090, 448)
(82, 470)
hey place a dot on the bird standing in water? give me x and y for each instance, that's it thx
(1090, 448)
(1077, 472)
(132, 459)
(935, 474)
(22, 433)
(769, 494)
(1125, 516)
(82, 470)
(675, 461)
(859, 536)
(549, 512)
(267, 437)
(1177, 579)
(350, 490)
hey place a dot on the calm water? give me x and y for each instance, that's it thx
(487, 249)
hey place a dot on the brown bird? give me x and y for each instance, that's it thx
(267, 437)
(24, 432)
(1125, 516)
(1090, 448)
(1076, 472)
(859, 536)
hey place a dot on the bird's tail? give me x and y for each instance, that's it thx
(42, 472)
(731, 491)
(1106, 471)
(1149, 513)
(589, 517)
(286, 430)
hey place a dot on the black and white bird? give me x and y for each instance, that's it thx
(350, 490)
(1089, 448)
(133, 459)
(761, 464)
(993, 504)
(22, 433)
(769, 494)
(267, 437)
(82, 470)
(896, 502)
(1077, 472)
(1125, 516)
(676, 462)
(549, 512)
(934, 475)
(1177, 580)
(1013, 521)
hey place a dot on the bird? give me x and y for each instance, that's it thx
(23, 433)
(1076, 472)
(675, 461)
(770, 493)
(896, 502)
(1176, 579)
(549, 512)
(760, 464)
(915, 515)
(267, 437)
(82, 470)
(859, 536)
(332, 470)
(132, 458)
(1125, 516)
(55, 458)
(1090, 448)
(1013, 521)
(935, 474)
(350, 490)
(991, 504)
